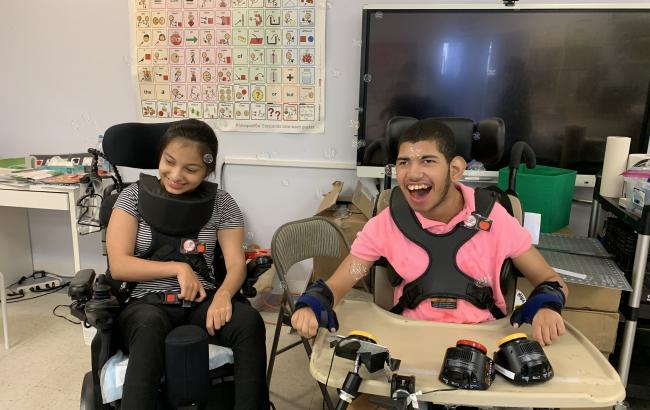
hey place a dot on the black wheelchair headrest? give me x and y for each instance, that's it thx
(488, 143)
(463, 129)
(394, 128)
(482, 141)
(134, 144)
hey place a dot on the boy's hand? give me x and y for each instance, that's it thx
(305, 323)
(548, 325)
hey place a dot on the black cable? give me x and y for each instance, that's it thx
(333, 353)
(22, 299)
(437, 390)
(18, 282)
(14, 296)
(63, 317)
(59, 287)
(43, 274)
(331, 364)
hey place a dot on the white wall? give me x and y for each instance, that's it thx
(66, 77)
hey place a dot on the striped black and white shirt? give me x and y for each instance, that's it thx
(225, 215)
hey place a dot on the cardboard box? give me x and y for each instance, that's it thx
(348, 217)
(599, 327)
(583, 296)
(365, 197)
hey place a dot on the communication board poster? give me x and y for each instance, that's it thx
(249, 65)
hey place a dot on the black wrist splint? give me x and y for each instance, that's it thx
(320, 299)
(545, 295)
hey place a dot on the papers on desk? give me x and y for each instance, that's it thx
(34, 178)
(39, 175)
(33, 175)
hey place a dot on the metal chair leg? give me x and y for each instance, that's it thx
(274, 348)
(3, 301)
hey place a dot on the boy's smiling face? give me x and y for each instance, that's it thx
(425, 176)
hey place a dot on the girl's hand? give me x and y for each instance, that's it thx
(219, 312)
(191, 287)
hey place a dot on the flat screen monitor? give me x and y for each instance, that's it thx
(562, 79)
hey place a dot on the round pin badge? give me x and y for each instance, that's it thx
(470, 221)
(189, 245)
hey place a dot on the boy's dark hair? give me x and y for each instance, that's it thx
(431, 129)
(197, 132)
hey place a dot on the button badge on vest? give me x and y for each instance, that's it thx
(191, 247)
(477, 222)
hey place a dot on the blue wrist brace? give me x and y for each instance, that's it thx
(545, 295)
(320, 299)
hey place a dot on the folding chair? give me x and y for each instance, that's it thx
(294, 242)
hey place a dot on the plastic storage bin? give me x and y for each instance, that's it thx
(544, 190)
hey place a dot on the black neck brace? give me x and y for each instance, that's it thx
(175, 215)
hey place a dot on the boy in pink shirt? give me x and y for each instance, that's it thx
(480, 258)
(428, 174)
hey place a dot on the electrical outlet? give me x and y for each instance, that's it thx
(39, 285)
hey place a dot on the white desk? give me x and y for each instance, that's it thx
(16, 257)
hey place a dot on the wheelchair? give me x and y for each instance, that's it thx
(195, 379)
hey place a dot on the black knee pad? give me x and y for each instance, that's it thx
(186, 366)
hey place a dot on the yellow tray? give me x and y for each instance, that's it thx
(583, 377)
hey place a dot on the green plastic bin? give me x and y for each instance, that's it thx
(544, 190)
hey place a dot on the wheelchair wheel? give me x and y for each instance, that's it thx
(87, 401)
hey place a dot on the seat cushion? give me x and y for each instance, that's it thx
(114, 370)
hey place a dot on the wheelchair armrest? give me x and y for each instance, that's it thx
(81, 285)
(254, 268)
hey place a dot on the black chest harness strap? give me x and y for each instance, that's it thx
(175, 218)
(172, 218)
(442, 277)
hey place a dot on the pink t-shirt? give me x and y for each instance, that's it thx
(481, 257)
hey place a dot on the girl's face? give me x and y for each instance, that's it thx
(181, 167)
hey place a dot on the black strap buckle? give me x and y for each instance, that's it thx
(172, 298)
(482, 294)
(409, 297)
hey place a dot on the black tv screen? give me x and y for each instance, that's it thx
(561, 79)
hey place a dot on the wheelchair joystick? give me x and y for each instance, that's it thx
(257, 265)
(80, 291)
(103, 307)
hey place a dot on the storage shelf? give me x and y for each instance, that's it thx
(639, 223)
(641, 226)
